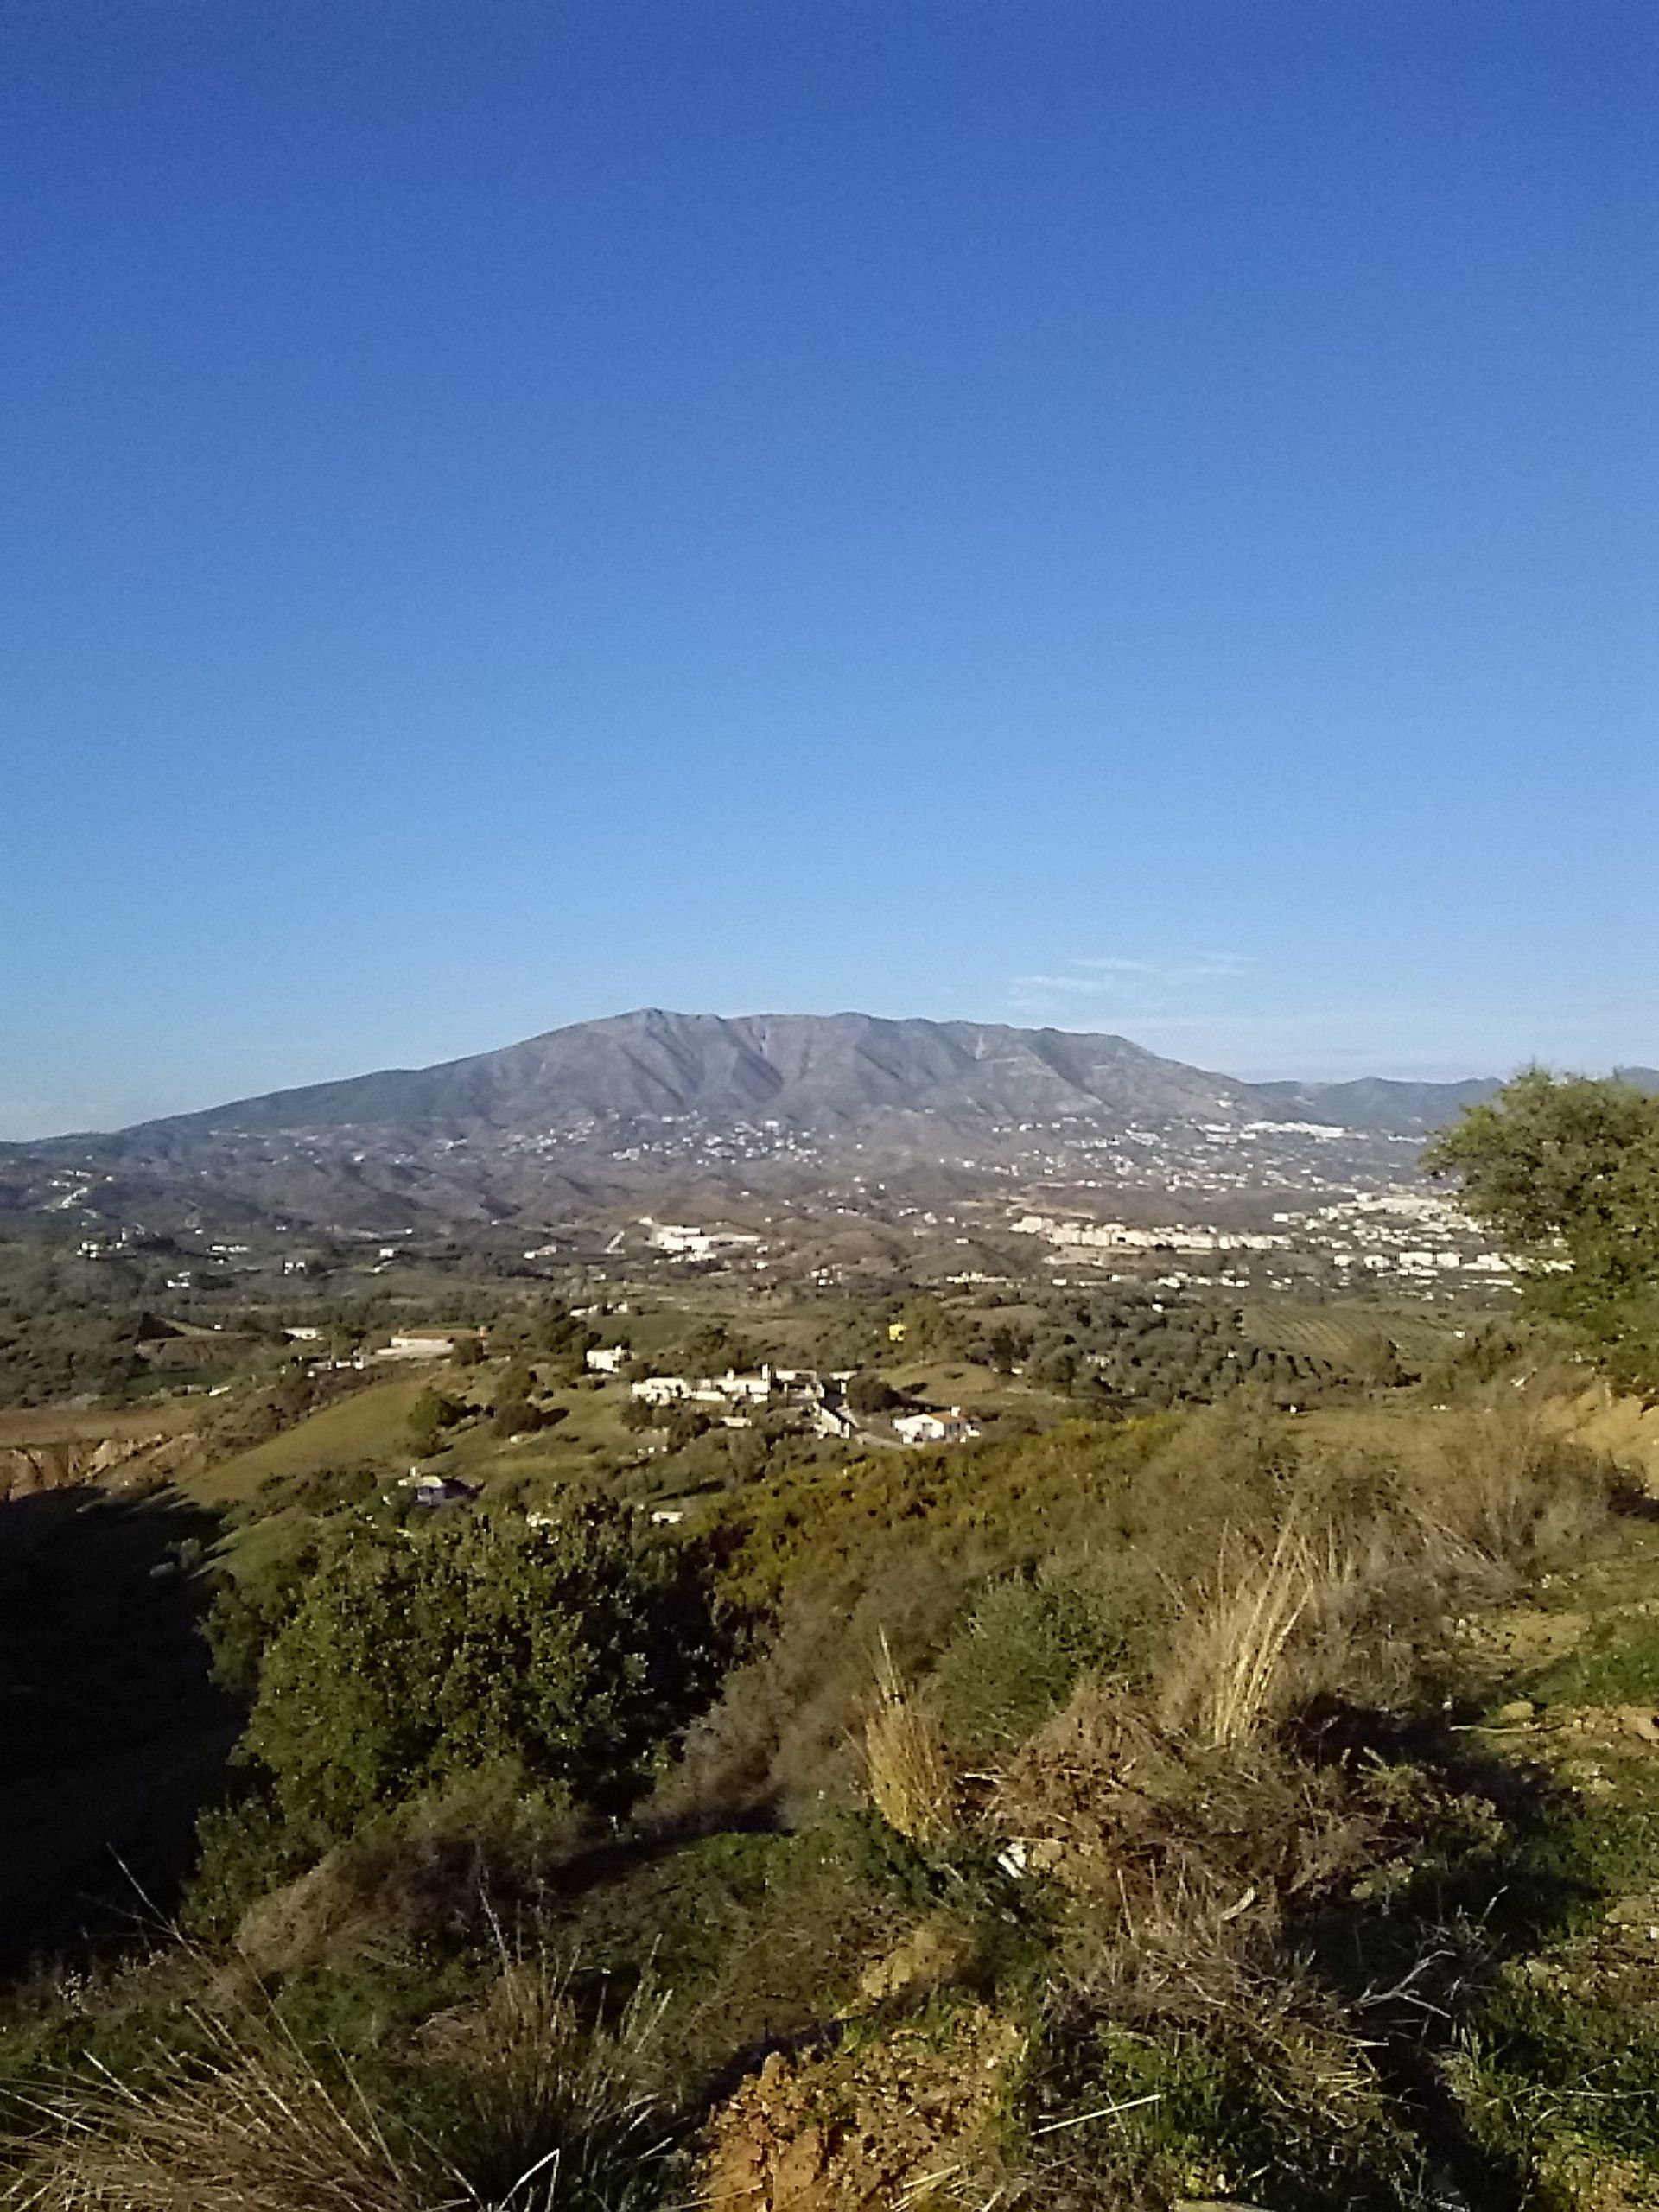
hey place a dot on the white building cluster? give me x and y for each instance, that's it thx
(1122, 1236)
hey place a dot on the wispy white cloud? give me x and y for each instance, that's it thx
(1057, 986)
(1203, 967)
(1139, 986)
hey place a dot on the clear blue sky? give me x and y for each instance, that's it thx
(1139, 514)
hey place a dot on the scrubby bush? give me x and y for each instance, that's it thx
(516, 1416)
(572, 1655)
(1025, 1641)
(870, 1393)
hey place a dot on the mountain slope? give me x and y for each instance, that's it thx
(809, 1070)
(652, 1107)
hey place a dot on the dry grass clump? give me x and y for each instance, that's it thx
(1358, 1558)
(517, 2106)
(1179, 2003)
(905, 1761)
(248, 2122)
(1512, 1487)
(1173, 1841)
(556, 2111)
(1225, 1669)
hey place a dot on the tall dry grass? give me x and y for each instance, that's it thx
(247, 2122)
(559, 2114)
(1227, 1639)
(540, 2113)
(905, 1762)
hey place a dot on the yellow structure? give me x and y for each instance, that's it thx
(896, 1333)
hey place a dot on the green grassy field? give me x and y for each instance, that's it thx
(366, 1428)
(36, 1425)
(370, 1429)
(591, 1428)
(976, 1389)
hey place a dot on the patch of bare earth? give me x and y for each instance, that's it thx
(891, 2125)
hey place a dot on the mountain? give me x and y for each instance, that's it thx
(645, 1104)
(813, 1070)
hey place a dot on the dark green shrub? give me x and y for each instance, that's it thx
(1025, 1641)
(576, 1652)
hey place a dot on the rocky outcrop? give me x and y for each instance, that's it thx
(27, 1468)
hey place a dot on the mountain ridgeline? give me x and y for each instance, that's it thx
(817, 1072)
(600, 1111)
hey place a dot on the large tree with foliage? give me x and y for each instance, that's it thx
(1565, 1172)
(563, 1658)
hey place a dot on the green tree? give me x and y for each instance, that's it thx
(712, 1347)
(566, 1656)
(1560, 1165)
(516, 1380)
(686, 1422)
(1564, 1170)
(870, 1393)
(929, 1327)
(1004, 1350)
(430, 1415)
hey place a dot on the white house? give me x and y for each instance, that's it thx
(662, 1390)
(799, 1383)
(952, 1428)
(607, 1359)
(753, 1387)
(417, 1347)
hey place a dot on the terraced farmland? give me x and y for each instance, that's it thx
(1341, 1333)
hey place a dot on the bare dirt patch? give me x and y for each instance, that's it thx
(862, 2129)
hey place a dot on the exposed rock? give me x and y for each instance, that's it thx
(27, 1468)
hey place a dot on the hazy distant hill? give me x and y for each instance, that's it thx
(1375, 1103)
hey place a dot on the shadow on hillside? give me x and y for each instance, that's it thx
(112, 1733)
(1495, 1876)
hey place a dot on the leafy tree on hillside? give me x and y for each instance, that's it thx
(929, 1327)
(1565, 1170)
(431, 1414)
(565, 1656)
(517, 1416)
(516, 1380)
(870, 1393)
(1562, 1164)
(1003, 1349)
(684, 1422)
(712, 1347)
